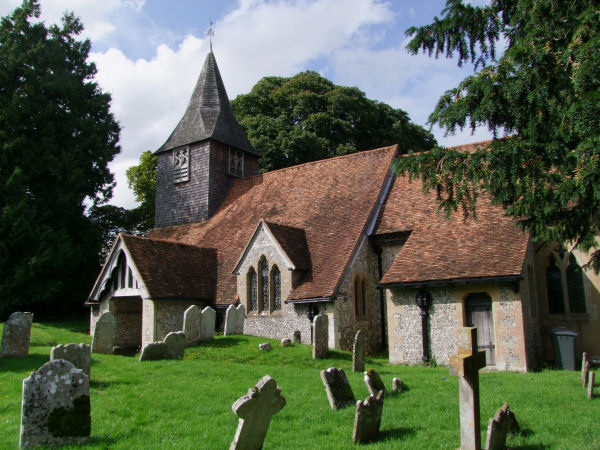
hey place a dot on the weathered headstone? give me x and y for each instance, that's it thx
(367, 419)
(175, 342)
(585, 370)
(297, 337)
(104, 334)
(207, 324)
(265, 346)
(154, 351)
(466, 365)
(234, 320)
(320, 336)
(358, 352)
(339, 392)
(374, 382)
(503, 423)
(77, 354)
(286, 342)
(55, 409)
(398, 385)
(255, 410)
(16, 335)
(590, 391)
(192, 318)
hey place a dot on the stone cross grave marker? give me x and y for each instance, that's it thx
(55, 409)
(320, 336)
(466, 365)
(367, 419)
(104, 334)
(590, 392)
(358, 352)
(207, 324)
(255, 410)
(234, 320)
(585, 368)
(16, 335)
(77, 354)
(374, 382)
(339, 392)
(503, 423)
(297, 337)
(192, 318)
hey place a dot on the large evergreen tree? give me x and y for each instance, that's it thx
(307, 117)
(57, 136)
(543, 92)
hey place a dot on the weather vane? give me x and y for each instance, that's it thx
(210, 33)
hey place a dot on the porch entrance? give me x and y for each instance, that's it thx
(479, 314)
(128, 314)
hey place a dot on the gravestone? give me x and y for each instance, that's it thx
(367, 419)
(320, 336)
(286, 342)
(234, 320)
(358, 352)
(374, 382)
(339, 392)
(398, 385)
(77, 354)
(590, 392)
(192, 318)
(585, 368)
(297, 337)
(16, 335)
(55, 409)
(503, 423)
(265, 346)
(255, 410)
(207, 324)
(175, 342)
(466, 365)
(104, 334)
(154, 351)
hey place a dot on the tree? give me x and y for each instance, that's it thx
(307, 118)
(542, 93)
(142, 179)
(57, 136)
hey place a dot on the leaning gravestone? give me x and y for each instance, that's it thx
(358, 352)
(16, 335)
(255, 410)
(367, 419)
(234, 320)
(175, 342)
(339, 392)
(320, 336)
(374, 382)
(104, 334)
(207, 324)
(77, 354)
(55, 409)
(192, 318)
(154, 351)
(503, 423)
(466, 365)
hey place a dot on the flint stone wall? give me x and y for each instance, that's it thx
(168, 315)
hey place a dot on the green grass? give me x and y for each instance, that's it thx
(187, 404)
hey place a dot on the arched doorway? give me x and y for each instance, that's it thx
(479, 314)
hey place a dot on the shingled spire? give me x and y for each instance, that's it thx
(208, 114)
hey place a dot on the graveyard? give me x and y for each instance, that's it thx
(187, 403)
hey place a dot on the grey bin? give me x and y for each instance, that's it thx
(563, 341)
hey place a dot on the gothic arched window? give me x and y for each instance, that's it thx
(556, 304)
(575, 286)
(263, 267)
(252, 290)
(360, 305)
(276, 286)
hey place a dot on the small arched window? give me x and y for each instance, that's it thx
(276, 286)
(122, 268)
(263, 267)
(556, 303)
(575, 286)
(252, 290)
(360, 305)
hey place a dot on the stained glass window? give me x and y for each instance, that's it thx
(554, 285)
(276, 280)
(263, 267)
(575, 286)
(252, 289)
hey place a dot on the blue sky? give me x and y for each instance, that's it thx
(149, 54)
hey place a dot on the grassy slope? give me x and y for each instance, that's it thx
(187, 404)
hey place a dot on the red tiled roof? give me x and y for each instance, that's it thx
(293, 243)
(331, 200)
(172, 270)
(444, 250)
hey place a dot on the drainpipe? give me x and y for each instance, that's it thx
(379, 251)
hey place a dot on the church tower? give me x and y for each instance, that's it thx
(202, 157)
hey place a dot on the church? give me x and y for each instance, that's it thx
(343, 236)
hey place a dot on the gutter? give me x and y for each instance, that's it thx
(452, 282)
(302, 301)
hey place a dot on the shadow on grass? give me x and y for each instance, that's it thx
(339, 355)
(27, 364)
(102, 441)
(103, 384)
(220, 343)
(396, 433)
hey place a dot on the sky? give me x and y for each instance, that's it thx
(149, 53)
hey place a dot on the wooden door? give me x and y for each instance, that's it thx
(479, 314)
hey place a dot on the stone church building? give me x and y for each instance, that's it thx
(343, 236)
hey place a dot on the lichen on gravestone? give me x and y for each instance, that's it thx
(16, 335)
(367, 419)
(338, 390)
(374, 382)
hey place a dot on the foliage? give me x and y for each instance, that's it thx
(142, 179)
(56, 139)
(161, 404)
(542, 93)
(307, 118)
